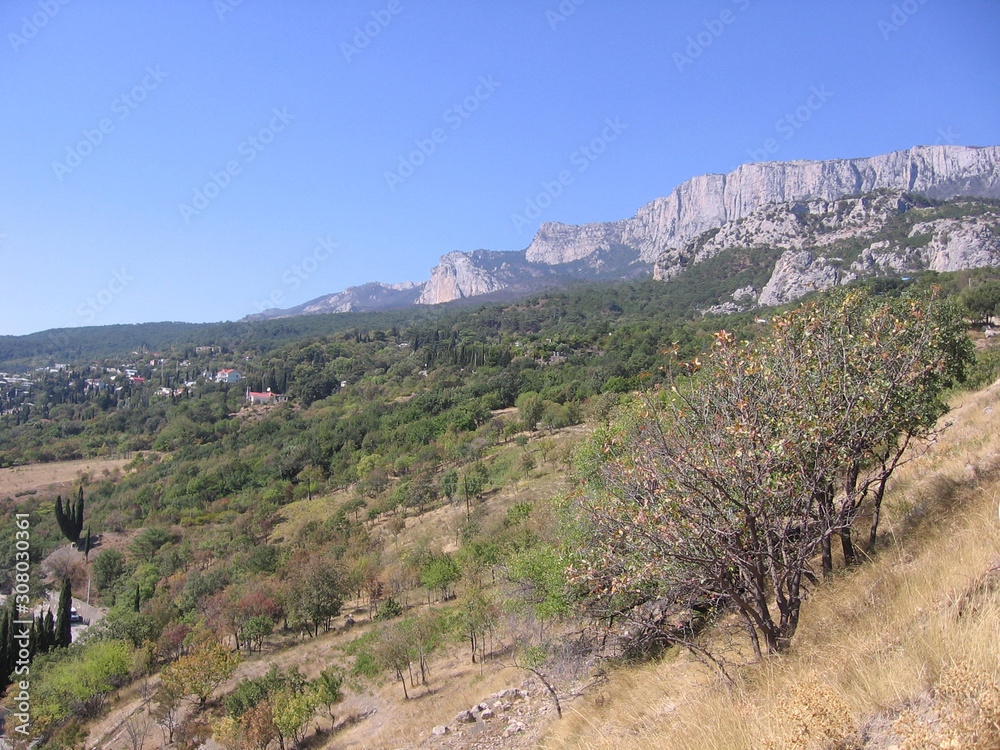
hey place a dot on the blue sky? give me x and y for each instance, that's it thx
(198, 160)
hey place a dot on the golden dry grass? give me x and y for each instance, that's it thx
(886, 656)
(39, 476)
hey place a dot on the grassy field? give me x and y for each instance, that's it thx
(40, 476)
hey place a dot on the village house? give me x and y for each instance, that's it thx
(227, 376)
(266, 397)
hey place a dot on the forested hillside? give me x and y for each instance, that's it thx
(412, 475)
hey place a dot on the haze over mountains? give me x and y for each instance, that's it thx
(668, 234)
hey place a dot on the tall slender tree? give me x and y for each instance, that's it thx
(70, 517)
(63, 633)
(6, 647)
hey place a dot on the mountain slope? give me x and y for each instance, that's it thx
(626, 248)
(365, 298)
(822, 243)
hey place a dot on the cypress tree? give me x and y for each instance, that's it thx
(61, 517)
(6, 645)
(50, 630)
(86, 546)
(70, 518)
(78, 516)
(138, 600)
(36, 640)
(63, 636)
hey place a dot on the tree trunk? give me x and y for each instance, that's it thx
(825, 504)
(850, 556)
(402, 681)
(876, 512)
(754, 638)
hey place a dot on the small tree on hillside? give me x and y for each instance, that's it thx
(449, 484)
(317, 594)
(982, 301)
(329, 690)
(440, 573)
(200, 672)
(393, 652)
(530, 407)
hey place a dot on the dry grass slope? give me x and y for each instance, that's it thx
(902, 653)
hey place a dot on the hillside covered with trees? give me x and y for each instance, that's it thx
(587, 475)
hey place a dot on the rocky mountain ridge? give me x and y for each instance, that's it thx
(709, 201)
(371, 296)
(823, 243)
(660, 230)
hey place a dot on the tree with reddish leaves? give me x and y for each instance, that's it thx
(719, 491)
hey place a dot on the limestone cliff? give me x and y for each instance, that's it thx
(709, 201)
(823, 243)
(460, 275)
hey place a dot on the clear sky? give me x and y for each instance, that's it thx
(198, 160)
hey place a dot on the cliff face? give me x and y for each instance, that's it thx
(709, 201)
(823, 243)
(460, 275)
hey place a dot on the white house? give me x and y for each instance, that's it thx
(227, 376)
(267, 397)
